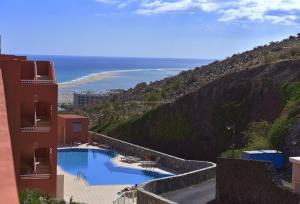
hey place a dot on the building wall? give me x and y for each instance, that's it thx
(25, 95)
(66, 133)
(296, 176)
(8, 186)
(248, 181)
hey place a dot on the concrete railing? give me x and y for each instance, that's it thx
(35, 129)
(149, 192)
(190, 172)
(35, 176)
(36, 81)
(166, 160)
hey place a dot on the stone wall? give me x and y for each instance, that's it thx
(246, 181)
(192, 172)
(145, 197)
(148, 192)
(169, 161)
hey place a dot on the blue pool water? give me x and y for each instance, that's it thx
(96, 167)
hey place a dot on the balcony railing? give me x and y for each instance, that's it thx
(35, 176)
(41, 124)
(39, 170)
(38, 81)
(35, 129)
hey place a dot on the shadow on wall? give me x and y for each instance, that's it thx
(248, 181)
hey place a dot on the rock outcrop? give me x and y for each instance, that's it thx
(292, 143)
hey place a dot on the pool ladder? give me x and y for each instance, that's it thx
(80, 175)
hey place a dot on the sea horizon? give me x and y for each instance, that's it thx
(101, 74)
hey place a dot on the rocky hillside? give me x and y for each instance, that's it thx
(174, 87)
(194, 126)
(133, 103)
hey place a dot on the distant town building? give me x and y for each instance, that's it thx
(72, 129)
(84, 98)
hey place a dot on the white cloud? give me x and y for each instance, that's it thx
(158, 6)
(258, 10)
(274, 11)
(125, 3)
(108, 1)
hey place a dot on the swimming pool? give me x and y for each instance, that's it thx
(97, 168)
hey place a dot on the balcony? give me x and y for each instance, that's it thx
(37, 81)
(37, 167)
(37, 72)
(37, 118)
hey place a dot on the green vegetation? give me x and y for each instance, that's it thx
(110, 125)
(282, 54)
(174, 86)
(257, 135)
(237, 153)
(263, 135)
(291, 91)
(153, 97)
(175, 130)
(278, 132)
(32, 196)
(281, 126)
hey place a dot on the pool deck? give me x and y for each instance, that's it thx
(80, 191)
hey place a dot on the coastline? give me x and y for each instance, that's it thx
(106, 81)
(87, 79)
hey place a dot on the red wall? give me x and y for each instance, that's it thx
(8, 186)
(66, 135)
(16, 94)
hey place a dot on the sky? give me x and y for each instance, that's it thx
(210, 29)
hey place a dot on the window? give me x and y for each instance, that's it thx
(76, 127)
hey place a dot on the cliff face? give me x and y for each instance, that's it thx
(189, 81)
(135, 102)
(292, 147)
(194, 126)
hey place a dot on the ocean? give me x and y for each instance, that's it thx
(101, 74)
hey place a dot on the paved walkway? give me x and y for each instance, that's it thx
(197, 194)
(80, 191)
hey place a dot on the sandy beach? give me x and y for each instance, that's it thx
(87, 79)
(67, 98)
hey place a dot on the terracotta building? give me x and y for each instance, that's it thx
(31, 105)
(72, 129)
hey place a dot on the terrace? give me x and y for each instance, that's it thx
(37, 72)
(36, 166)
(36, 117)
